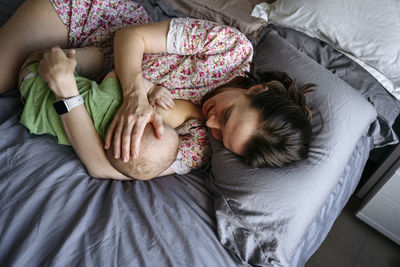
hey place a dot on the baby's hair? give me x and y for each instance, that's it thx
(285, 132)
(155, 155)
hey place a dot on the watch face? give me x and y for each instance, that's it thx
(60, 107)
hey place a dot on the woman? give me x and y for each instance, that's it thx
(231, 113)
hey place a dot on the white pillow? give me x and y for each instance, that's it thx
(366, 31)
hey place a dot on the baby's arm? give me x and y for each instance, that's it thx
(174, 112)
(184, 110)
(187, 119)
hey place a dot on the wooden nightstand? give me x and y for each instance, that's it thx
(380, 206)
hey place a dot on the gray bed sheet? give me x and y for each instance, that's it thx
(53, 213)
(323, 222)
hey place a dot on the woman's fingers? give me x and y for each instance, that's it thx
(57, 70)
(71, 53)
(110, 131)
(126, 130)
(158, 125)
(117, 140)
(137, 134)
(126, 137)
(152, 102)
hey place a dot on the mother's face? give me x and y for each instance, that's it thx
(230, 117)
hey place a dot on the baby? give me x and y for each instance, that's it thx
(155, 157)
(102, 102)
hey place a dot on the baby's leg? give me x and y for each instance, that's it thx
(34, 26)
(32, 58)
(89, 62)
(111, 74)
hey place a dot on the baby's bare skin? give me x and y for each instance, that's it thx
(184, 109)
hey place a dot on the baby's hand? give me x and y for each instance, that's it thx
(159, 95)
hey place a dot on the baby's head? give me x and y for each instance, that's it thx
(155, 155)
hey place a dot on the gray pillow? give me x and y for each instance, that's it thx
(386, 105)
(263, 214)
(234, 13)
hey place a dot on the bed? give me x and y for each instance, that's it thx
(54, 214)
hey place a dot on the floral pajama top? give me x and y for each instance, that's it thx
(202, 55)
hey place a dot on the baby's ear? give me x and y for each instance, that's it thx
(257, 89)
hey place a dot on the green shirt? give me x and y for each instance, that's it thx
(39, 116)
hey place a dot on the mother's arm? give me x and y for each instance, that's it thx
(57, 69)
(126, 130)
(88, 145)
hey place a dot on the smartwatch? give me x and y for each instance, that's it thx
(63, 106)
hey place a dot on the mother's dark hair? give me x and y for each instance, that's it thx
(285, 132)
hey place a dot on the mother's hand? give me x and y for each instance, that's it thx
(126, 129)
(57, 69)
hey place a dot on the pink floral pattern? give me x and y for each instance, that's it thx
(94, 22)
(206, 56)
(202, 55)
(193, 146)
